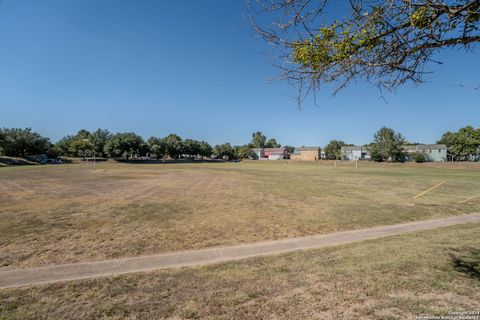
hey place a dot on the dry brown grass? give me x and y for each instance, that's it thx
(61, 214)
(398, 277)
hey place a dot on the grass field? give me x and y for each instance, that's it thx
(400, 277)
(62, 214)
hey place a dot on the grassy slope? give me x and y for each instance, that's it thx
(398, 277)
(58, 214)
(12, 161)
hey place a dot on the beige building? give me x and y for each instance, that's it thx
(306, 153)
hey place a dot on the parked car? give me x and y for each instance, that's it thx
(50, 161)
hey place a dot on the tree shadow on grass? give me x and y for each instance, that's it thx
(467, 262)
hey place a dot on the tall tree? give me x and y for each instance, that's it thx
(23, 142)
(99, 138)
(191, 147)
(224, 151)
(290, 149)
(333, 149)
(463, 144)
(125, 145)
(387, 145)
(81, 144)
(174, 146)
(2, 142)
(385, 42)
(206, 149)
(272, 143)
(244, 152)
(83, 134)
(157, 146)
(82, 147)
(258, 140)
(63, 145)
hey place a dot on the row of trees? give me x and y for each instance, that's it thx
(463, 144)
(84, 143)
(101, 142)
(259, 140)
(23, 142)
(130, 145)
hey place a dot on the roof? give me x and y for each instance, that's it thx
(308, 148)
(353, 148)
(257, 149)
(425, 147)
(274, 149)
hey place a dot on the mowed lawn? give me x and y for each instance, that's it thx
(64, 214)
(433, 273)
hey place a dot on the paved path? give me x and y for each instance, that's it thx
(67, 272)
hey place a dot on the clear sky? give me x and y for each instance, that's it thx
(195, 68)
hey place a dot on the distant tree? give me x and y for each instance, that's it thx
(82, 147)
(462, 144)
(333, 149)
(224, 150)
(245, 152)
(99, 138)
(63, 146)
(81, 144)
(19, 142)
(448, 138)
(125, 145)
(290, 149)
(174, 145)
(2, 142)
(157, 146)
(192, 147)
(83, 134)
(387, 145)
(206, 149)
(258, 140)
(272, 143)
(53, 151)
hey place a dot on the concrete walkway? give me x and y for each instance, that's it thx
(67, 272)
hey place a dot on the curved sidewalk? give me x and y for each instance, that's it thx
(77, 271)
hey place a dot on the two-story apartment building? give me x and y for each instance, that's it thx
(355, 153)
(433, 152)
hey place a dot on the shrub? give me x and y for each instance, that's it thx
(419, 157)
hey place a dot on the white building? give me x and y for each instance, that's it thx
(355, 153)
(433, 152)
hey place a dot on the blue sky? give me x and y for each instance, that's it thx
(195, 68)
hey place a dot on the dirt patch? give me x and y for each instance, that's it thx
(66, 213)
